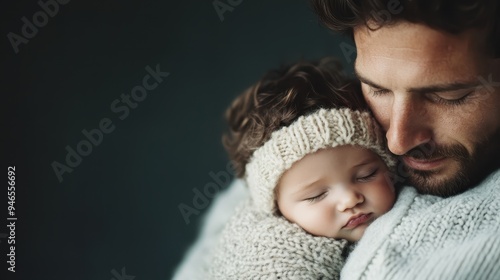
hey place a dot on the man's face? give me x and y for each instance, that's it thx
(430, 91)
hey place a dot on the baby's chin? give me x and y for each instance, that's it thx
(353, 235)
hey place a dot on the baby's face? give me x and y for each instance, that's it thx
(336, 192)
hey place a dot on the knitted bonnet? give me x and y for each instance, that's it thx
(324, 128)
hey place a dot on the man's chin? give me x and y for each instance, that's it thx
(455, 170)
(448, 182)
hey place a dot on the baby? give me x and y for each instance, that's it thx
(316, 166)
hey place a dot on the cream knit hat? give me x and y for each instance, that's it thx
(324, 128)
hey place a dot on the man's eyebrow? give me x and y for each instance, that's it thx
(365, 80)
(427, 89)
(445, 87)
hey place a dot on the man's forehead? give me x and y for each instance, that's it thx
(403, 40)
(413, 55)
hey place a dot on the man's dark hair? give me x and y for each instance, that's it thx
(452, 16)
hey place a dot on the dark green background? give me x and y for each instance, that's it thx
(119, 207)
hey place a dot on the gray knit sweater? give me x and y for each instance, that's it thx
(422, 237)
(426, 237)
(257, 245)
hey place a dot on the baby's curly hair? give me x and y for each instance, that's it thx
(282, 96)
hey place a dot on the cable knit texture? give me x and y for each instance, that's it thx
(427, 237)
(308, 134)
(258, 245)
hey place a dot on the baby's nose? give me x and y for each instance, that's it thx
(348, 199)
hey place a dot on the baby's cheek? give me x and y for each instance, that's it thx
(385, 197)
(321, 223)
(391, 199)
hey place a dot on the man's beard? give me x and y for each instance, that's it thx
(473, 168)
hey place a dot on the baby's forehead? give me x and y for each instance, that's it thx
(326, 164)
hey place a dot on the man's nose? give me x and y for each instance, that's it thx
(348, 198)
(409, 124)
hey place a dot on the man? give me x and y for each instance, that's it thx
(430, 72)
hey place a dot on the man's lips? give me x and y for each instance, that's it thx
(423, 164)
(357, 220)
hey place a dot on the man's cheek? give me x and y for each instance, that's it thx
(380, 107)
(381, 112)
(479, 125)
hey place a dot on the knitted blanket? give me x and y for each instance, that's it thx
(257, 245)
(427, 237)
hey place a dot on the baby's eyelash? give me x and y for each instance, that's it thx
(316, 198)
(369, 176)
